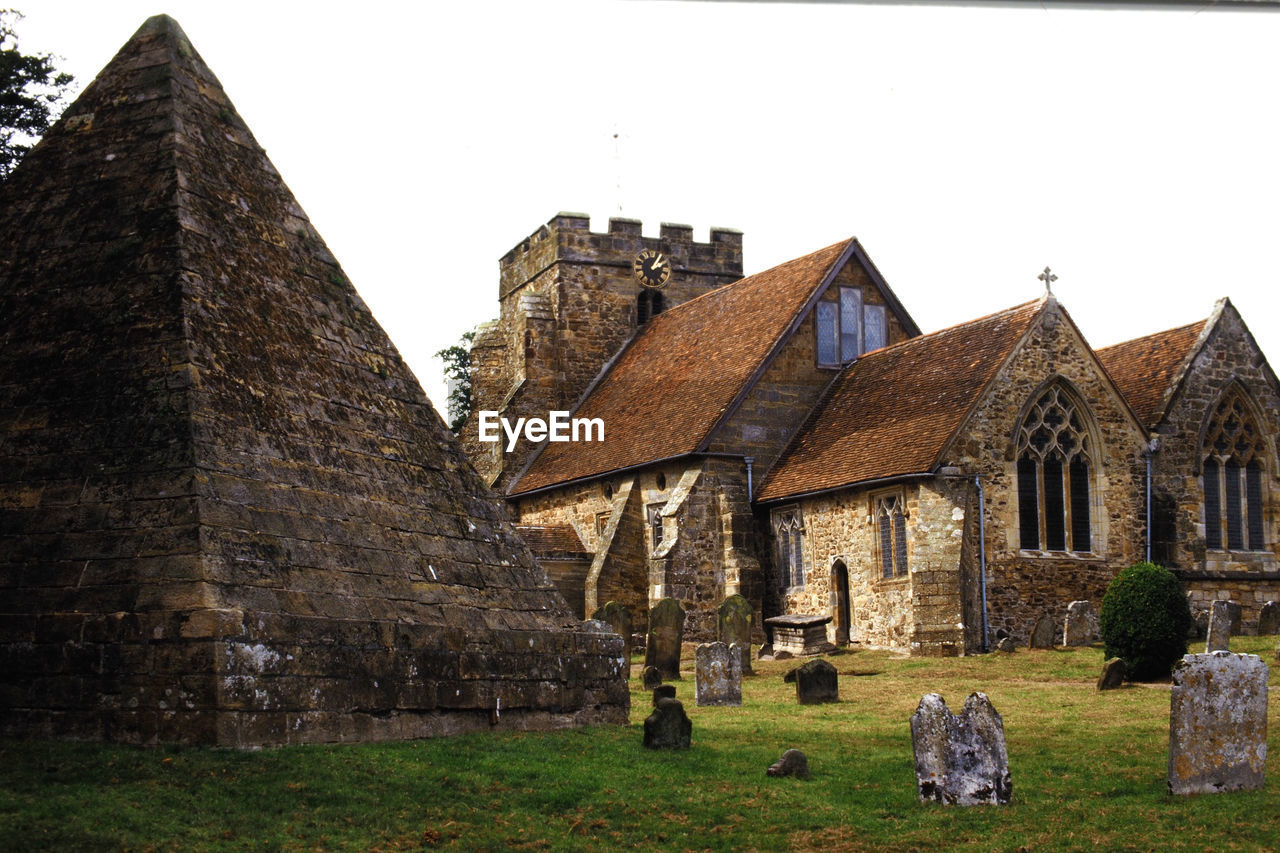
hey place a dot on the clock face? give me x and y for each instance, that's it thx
(652, 268)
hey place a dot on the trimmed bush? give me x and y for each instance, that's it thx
(1144, 620)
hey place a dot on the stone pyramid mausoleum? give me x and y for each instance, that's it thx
(228, 513)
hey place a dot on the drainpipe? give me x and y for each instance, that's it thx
(1147, 453)
(982, 560)
(748, 460)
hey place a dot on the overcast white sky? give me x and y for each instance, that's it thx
(1134, 152)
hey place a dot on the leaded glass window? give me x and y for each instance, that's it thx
(891, 530)
(1055, 465)
(788, 531)
(1232, 468)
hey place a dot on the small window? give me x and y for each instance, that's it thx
(655, 526)
(846, 328)
(649, 304)
(788, 531)
(891, 530)
(660, 481)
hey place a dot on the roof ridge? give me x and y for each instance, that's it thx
(1172, 329)
(955, 327)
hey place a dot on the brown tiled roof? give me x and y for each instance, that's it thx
(551, 539)
(893, 411)
(670, 387)
(1145, 369)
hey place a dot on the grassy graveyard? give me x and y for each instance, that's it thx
(1088, 772)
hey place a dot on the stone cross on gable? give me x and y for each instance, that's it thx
(1048, 278)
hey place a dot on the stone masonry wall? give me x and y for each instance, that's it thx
(568, 306)
(1023, 585)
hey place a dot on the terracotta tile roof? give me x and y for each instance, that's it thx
(893, 411)
(1145, 369)
(670, 386)
(559, 539)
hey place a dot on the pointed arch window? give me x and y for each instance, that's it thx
(1232, 466)
(649, 304)
(1055, 474)
(788, 532)
(891, 534)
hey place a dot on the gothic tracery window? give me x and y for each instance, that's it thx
(1055, 474)
(891, 534)
(1233, 454)
(788, 532)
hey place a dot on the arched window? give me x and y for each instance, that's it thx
(649, 304)
(788, 533)
(1055, 474)
(1233, 454)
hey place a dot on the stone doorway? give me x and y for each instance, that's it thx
(840, 590)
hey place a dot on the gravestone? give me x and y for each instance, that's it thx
(742, 651)
(663, 691)
(1079, 629)
(666, 633)
(619, 618)
(650, 677)
(733, 625)
(1007, 644)
(717, 676)
(668, 727)
(1218, 724)
(960, 759)
(1269, 619)
(799, 634)
(1042, 634)
(792, 763)
(1113, 674)
(816, 682)
(1219, 634)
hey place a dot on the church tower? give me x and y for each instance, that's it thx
(570, 300)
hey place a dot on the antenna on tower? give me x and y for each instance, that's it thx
(617, 165)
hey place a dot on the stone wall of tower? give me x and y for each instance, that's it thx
(568, 305)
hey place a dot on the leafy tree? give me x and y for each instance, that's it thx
(1144, 619)
(31, 94)
(457, 371)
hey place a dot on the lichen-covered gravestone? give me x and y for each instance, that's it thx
(619, 618)
(1042, 634)
(718, 676)
(668, 727)
(1218, 724)
(666, 633)
(1219, 634)
(1078, 629)
(733, 625)
(816, 682)
(960, 759)
(1269, 619)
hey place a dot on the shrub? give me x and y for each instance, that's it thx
(1144, 620)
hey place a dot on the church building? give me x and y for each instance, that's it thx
(792, 436)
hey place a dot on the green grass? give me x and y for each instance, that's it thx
(1088, 773)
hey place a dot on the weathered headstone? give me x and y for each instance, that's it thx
(650, 678)
(1079, 628)
(668, 727)
(1269, 619)
(1218, 724)
(816, 682)
(619, 618)
(1042, 634)
(742, 651)
(1113, 674)
(717, 676)
(1199, 624)
(960, 759)
(733, 625)
(663, 691)
(666, 633)
(1219, 636)
(792, 763)
(1007, 644)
